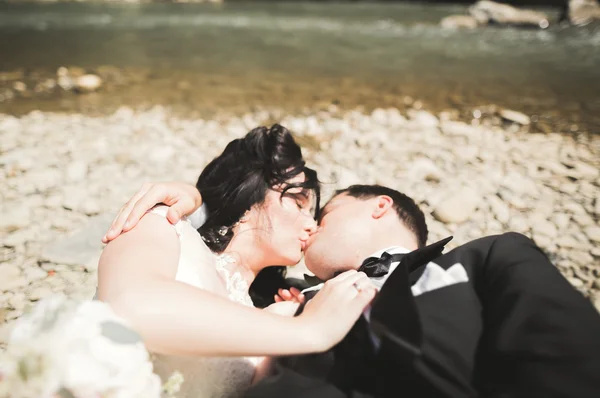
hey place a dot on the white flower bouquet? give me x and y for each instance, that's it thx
(68, 349)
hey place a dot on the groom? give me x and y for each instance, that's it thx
(491, 318)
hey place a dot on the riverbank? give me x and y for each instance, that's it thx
(200, 60)
(65, 175)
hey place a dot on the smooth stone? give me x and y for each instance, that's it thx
(593, 233)
(516, 117)
(544, 227)
(561, 220)
(82, 246)
(458, 21)
(424, 169)
(581, 258)
(453, 128)
(15, 218)
(13, 284)
(18, 302)
(577, 283)
(518, 224)
(574, 208)
(499, 208)
(486, 11)
(8, 275)
(88, 83)
(33, 274)
(457, 207)
(586, 171)
(570, 242)
(583, 220)
(424, 118)
(76, 171)
(39, 293)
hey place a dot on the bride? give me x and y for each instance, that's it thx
(186, 290)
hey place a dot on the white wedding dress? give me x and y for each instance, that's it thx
(207, 377)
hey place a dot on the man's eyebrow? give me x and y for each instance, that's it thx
(323, 211)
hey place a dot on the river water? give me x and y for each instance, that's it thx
(239, 56)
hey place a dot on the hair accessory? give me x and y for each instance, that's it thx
(223, 231)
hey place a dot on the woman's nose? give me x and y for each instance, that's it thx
(310, 226)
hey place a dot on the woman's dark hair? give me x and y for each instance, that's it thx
(240, 178)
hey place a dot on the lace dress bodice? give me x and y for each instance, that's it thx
(207, 377)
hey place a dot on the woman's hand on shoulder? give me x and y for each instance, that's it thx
(182, 199)
(333, 311)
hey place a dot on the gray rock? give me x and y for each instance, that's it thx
(83, 247)
(458, 206)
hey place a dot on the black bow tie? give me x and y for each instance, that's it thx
(379, 266)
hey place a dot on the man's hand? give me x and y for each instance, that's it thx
(182, 198)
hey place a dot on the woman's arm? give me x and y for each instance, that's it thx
(137, 278)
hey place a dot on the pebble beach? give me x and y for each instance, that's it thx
(65, 175)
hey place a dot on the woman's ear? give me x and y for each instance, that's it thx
(245, 217)
(383, 203)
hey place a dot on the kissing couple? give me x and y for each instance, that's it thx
(394, 316)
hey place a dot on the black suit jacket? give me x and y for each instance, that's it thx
(517, 328)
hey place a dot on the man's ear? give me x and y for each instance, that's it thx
(383, 204)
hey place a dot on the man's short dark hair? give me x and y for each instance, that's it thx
(408, 211)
